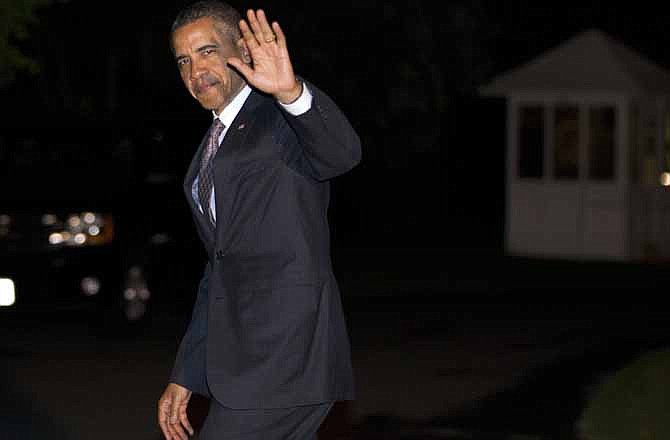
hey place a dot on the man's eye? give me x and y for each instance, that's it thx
(182, 62)
(207, 51)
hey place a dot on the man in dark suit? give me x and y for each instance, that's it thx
(267, 339)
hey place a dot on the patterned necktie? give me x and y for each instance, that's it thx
(206, 175)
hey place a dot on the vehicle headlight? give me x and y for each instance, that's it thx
(7, 295)
(82, 229)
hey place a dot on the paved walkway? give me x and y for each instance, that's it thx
(427, 367)
(508, 364)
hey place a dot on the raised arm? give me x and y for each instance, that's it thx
(329, 144)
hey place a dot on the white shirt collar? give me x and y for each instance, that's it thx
(231, 110)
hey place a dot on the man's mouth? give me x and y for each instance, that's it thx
(204, 84)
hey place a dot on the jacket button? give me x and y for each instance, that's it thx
(219, 255)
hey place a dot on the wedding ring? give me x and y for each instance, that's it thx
(270, 39)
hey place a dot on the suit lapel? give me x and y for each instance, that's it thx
(224, 161)
(203, 225)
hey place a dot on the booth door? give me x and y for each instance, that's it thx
(604, 191)
(564, 197)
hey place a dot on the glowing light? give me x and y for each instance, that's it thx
(89, 218)
(144, 294)
(56, 238)
(49, 219)
(665, 178)
(90, 286)
(130, 294)
(74, 221)
(93, 230)
(80, 238)
(7, 293)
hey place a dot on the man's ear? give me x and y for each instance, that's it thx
(244, 51)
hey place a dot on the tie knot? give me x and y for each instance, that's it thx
(217, 128)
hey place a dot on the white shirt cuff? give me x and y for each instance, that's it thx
(300, 105)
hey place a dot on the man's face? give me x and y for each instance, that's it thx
(202, 54)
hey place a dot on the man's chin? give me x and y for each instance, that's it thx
(208, 107)
(207, 104)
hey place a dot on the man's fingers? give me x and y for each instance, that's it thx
(183, 419)
(248, 35)
(281, 38)
(171, 429)
(176, 431)
(172, 412)
(163, 415)
(175, 424)
(266, 32)
(255, 25)
(179, 431)
(166, 432)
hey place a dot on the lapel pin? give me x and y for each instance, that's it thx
(240, 127)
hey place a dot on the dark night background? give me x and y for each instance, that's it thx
(406, 73)
(95, 113)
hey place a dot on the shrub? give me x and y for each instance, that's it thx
(631, 404)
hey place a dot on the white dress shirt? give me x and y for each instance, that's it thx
(227, 116)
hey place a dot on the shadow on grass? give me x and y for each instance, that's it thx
(19, 417)
(548, 402)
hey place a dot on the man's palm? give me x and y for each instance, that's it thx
(172, 416)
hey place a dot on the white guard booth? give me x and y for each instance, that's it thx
(588, 153)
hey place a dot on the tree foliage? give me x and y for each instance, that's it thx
(17, 20)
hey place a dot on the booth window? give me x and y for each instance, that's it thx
(601, 143)
(566, 142)
(531, 141)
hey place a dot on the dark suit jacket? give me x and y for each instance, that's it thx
(267, 329)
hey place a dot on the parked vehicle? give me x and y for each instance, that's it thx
(91, 228)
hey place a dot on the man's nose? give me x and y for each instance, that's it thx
(197, 69)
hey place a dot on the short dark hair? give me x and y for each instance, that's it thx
(226, 17)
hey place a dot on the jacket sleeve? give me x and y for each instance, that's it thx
(327, 144)
(189, 367)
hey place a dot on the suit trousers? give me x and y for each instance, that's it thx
(295, 423)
